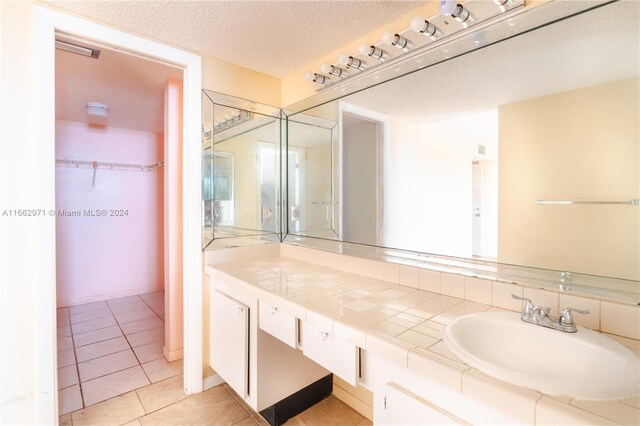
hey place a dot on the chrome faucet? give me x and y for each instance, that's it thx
(539, 315)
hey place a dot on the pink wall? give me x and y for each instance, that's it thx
(103, 257)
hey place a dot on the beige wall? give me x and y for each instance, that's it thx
(224, 77)
(577, 145)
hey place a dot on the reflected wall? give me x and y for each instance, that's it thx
(478, 156)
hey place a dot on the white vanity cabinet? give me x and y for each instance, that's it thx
(230, 332)
(404, 397)
(263, 367)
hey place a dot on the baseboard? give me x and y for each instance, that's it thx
(107, 296)
(172, 355)
(354, 402)
(212, 381)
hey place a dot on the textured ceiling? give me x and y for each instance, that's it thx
(132, 87)
(273, 37)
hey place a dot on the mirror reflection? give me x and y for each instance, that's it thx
(525, 152)
(240, 168)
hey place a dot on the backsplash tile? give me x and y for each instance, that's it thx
(430, 280)
(622, 320)
(501, 296)
(410, 276)
(452, 285)
(477, 290)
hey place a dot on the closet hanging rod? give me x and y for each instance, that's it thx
(108, 165)
(633, 202)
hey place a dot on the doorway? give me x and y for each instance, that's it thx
(362, 179)
(113, 332)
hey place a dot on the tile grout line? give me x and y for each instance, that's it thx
(107, 374)
(75, 355)
(131, 347)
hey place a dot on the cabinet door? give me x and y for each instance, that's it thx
(405, 408)
(229, 343)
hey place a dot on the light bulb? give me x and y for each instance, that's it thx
(308, 76)
(236, 113)
(343, 59)
(447, 6)
(389, 37)
(364, 49)
(228, 117)
(418, 24)
(325, 68)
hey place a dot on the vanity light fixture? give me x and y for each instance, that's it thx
(462, 15)
(421, 25)
(373, 51)
(230, 120)
(317, 78)
(504, 5)
(450, 10)
(334, 70)
(447, 6)
(351, 62)
(397, 40)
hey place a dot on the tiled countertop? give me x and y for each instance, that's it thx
(400, 323)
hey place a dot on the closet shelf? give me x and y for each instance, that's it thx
(108, 165)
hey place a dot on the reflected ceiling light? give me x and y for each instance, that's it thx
(447, 6)
(373, 51)
(397, 40)
(462, 15)
(231, 119)
(351, 62)
(77, 49)
(421, 25)
(504, 5)
(316, 78)
(333, 70)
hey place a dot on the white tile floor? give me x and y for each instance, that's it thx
(109, 348)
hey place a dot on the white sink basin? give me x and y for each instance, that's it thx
(584, 365)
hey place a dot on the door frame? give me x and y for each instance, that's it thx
(46, 22)
(382, 122)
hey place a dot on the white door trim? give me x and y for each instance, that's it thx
(384, 140)
(46, 22)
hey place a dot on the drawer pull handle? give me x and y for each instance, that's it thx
(323, 336)
(274, 310)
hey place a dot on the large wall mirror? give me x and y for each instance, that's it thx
(240, 168)
(524, 152)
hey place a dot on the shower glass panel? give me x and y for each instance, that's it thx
(240, 168)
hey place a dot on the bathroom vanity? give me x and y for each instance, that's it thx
(284, 323)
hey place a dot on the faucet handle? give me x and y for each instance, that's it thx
(567, 319)
(528, 306)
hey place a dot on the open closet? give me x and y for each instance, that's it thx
(119, 318)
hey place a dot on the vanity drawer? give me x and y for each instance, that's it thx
(281, 325)
(336, 355)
